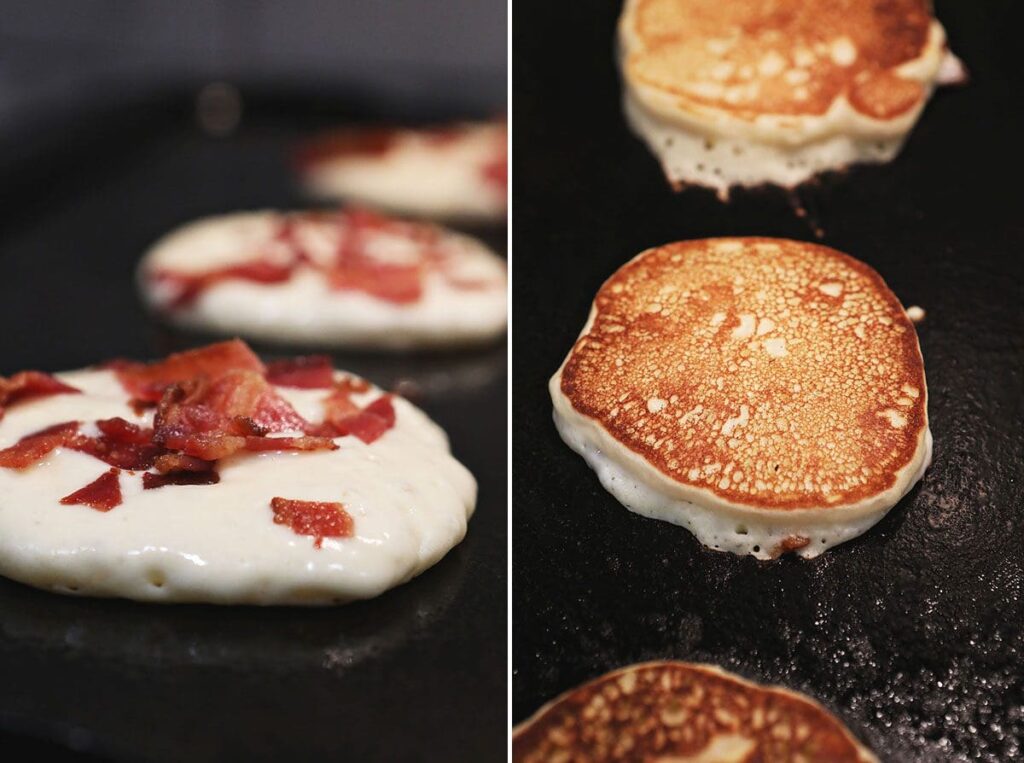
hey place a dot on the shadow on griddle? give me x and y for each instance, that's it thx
(279, 639)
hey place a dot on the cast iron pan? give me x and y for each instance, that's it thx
(912, 632)
(395, 678)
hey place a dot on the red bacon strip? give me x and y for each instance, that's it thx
(495, 173)
(213, 402)
(151, 481)
(33, 447)
(30, 384)
(102, 494)
(147, 382)
(314, 518)
(189, 286)
(353, 268)
(177, 462)
(368, 424)
(121, 444)
(236, 412)
(290, 443)
(355, 142)
(308, 372)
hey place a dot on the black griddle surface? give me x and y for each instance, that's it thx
(912, 632)
(417, 674)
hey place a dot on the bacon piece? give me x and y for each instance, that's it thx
(214, 420)
(307, 372)
(121, 444)
(368, 424)
(26, 385)
(314, 518)
(177, 462)
(495, 173)
(102, 494)
(290, 443)
(355, 142)
(188, 286)
(401, 284)
(355, 270)
(32, 447)
(147, 382)
(152, 481)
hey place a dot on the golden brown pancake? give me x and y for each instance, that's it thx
(678, 712)
(751, 57)
(794, 86)
(749, 378)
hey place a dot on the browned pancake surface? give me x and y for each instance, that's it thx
(795, 57)
(672, 712)
(773, 373)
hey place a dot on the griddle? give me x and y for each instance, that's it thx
(416, 674)
(912, 633)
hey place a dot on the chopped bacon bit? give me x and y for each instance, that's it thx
(176, 462)
(368, 424)
(120, 444)
(339, 403)
(125, 432)
(290, 443)
(308, 372)
(214, 420)
(188, 286)
(141, 406)
(151, 481)
(31, 448)
(495, 173)
(314, 518)
(147, 382)
(247, 395)
(102, 494)
(209, 446)
(30, 384)
(359, 141)
(440, 137)
(354, 268)
(401, 284)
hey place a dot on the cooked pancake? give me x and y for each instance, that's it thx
(769, 395)
(678, 712)
(751, 92)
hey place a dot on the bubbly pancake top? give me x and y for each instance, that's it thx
(787, 57)
(671, 711)
(776, 374)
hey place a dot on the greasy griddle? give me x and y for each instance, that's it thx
(912, 633)
(390, 679)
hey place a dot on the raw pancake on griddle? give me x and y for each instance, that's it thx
(676, 711)
(769, 395)
(347, 278)
(752, 92)
(455, 172)
(211, 477)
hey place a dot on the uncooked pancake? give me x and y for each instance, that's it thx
(678, 712)
(751, 92)
(768, 395)
(344, 279)
(209, 477)
(457, 172)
